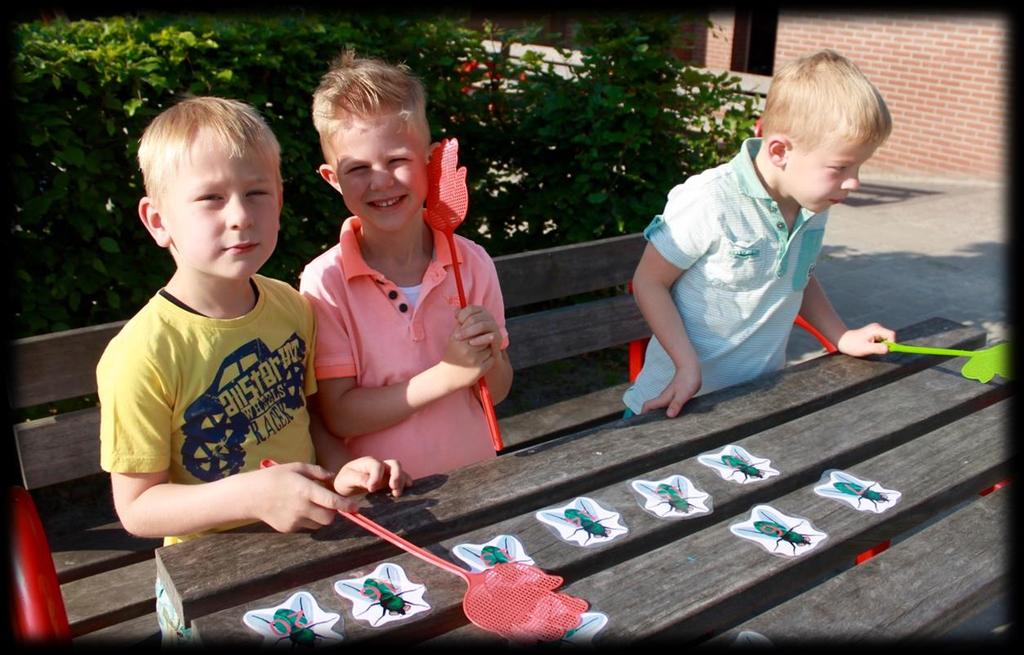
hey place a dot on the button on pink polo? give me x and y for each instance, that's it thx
(366, 329)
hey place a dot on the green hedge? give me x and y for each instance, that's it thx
(551, 160)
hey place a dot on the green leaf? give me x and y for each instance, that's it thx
(597, 198)
(109, 245)
(73, 155)
(113, 299)
(131, 106)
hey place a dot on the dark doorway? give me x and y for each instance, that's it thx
(753, 47)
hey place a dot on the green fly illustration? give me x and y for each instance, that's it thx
(671, 495)
(385, 594)
(771, 526)
(491, 555)
(584, 517)
(593, 623)
(843, 486)
(503, 549)
(733, 459)
(569, 634)
(862, 493)
(740, 465)
(294, 626)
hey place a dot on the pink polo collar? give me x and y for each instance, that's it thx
(351, 257)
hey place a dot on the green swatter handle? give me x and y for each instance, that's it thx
(923, 350)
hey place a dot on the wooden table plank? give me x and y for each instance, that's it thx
(141, 631)
(838, 433)
(107, 598)
(563, 417)
(223, 569)
(897, 595)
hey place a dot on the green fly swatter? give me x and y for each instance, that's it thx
(982, 365)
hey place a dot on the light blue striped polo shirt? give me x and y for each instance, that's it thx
(745, 273)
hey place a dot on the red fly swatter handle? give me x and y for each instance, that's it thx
(446, 204)
(387, 535)
(407, 546)
(485, 394)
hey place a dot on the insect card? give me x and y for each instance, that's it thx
(863, 495)
(581, 637)
(384, 596)
(502, 549)
(734, 463)
(298, 621)
(778, 533)
(674, 497)
(583, 634)
(584, 522)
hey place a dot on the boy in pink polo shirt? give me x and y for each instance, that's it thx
(396, 358)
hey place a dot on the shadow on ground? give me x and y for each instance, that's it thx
(881, 194)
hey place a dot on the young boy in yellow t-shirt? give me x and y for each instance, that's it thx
(213, 375)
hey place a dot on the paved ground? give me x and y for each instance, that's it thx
(903, 249)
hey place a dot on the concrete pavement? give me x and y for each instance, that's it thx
(903, 249)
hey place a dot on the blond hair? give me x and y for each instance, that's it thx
(234, 125)
(823, 96)
(364, 88)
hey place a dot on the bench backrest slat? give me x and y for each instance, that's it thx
(563, 271)
(59, 448)
(567, 331)
(56, 366)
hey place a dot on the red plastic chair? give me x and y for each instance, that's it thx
(38, 608)
(639, 347)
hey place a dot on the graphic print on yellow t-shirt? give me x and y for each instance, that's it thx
(255, 391)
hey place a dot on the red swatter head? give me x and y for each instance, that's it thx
(447, 196)
(518, 602)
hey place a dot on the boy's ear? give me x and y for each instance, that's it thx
(431, 148)
(154, 223)
(330, 176)
(778, 147)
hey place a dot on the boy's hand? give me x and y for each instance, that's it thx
(293, 497)
(477, 326)
(366, 474)
(865, 341)
(684, 384)
(464, 363)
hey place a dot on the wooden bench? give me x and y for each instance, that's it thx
(107, 575)
(593, 277)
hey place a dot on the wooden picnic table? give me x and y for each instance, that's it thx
(911, 423)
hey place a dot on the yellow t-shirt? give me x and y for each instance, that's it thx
(206, 398)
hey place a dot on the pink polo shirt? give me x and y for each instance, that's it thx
(366, 329)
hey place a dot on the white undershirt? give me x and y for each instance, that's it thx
(412, 294)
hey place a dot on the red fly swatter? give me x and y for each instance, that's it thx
(446, 206)
(514, 600)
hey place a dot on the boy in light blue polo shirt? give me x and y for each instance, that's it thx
(729, 263)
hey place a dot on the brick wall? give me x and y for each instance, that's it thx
(944, 76)
(719, 41)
